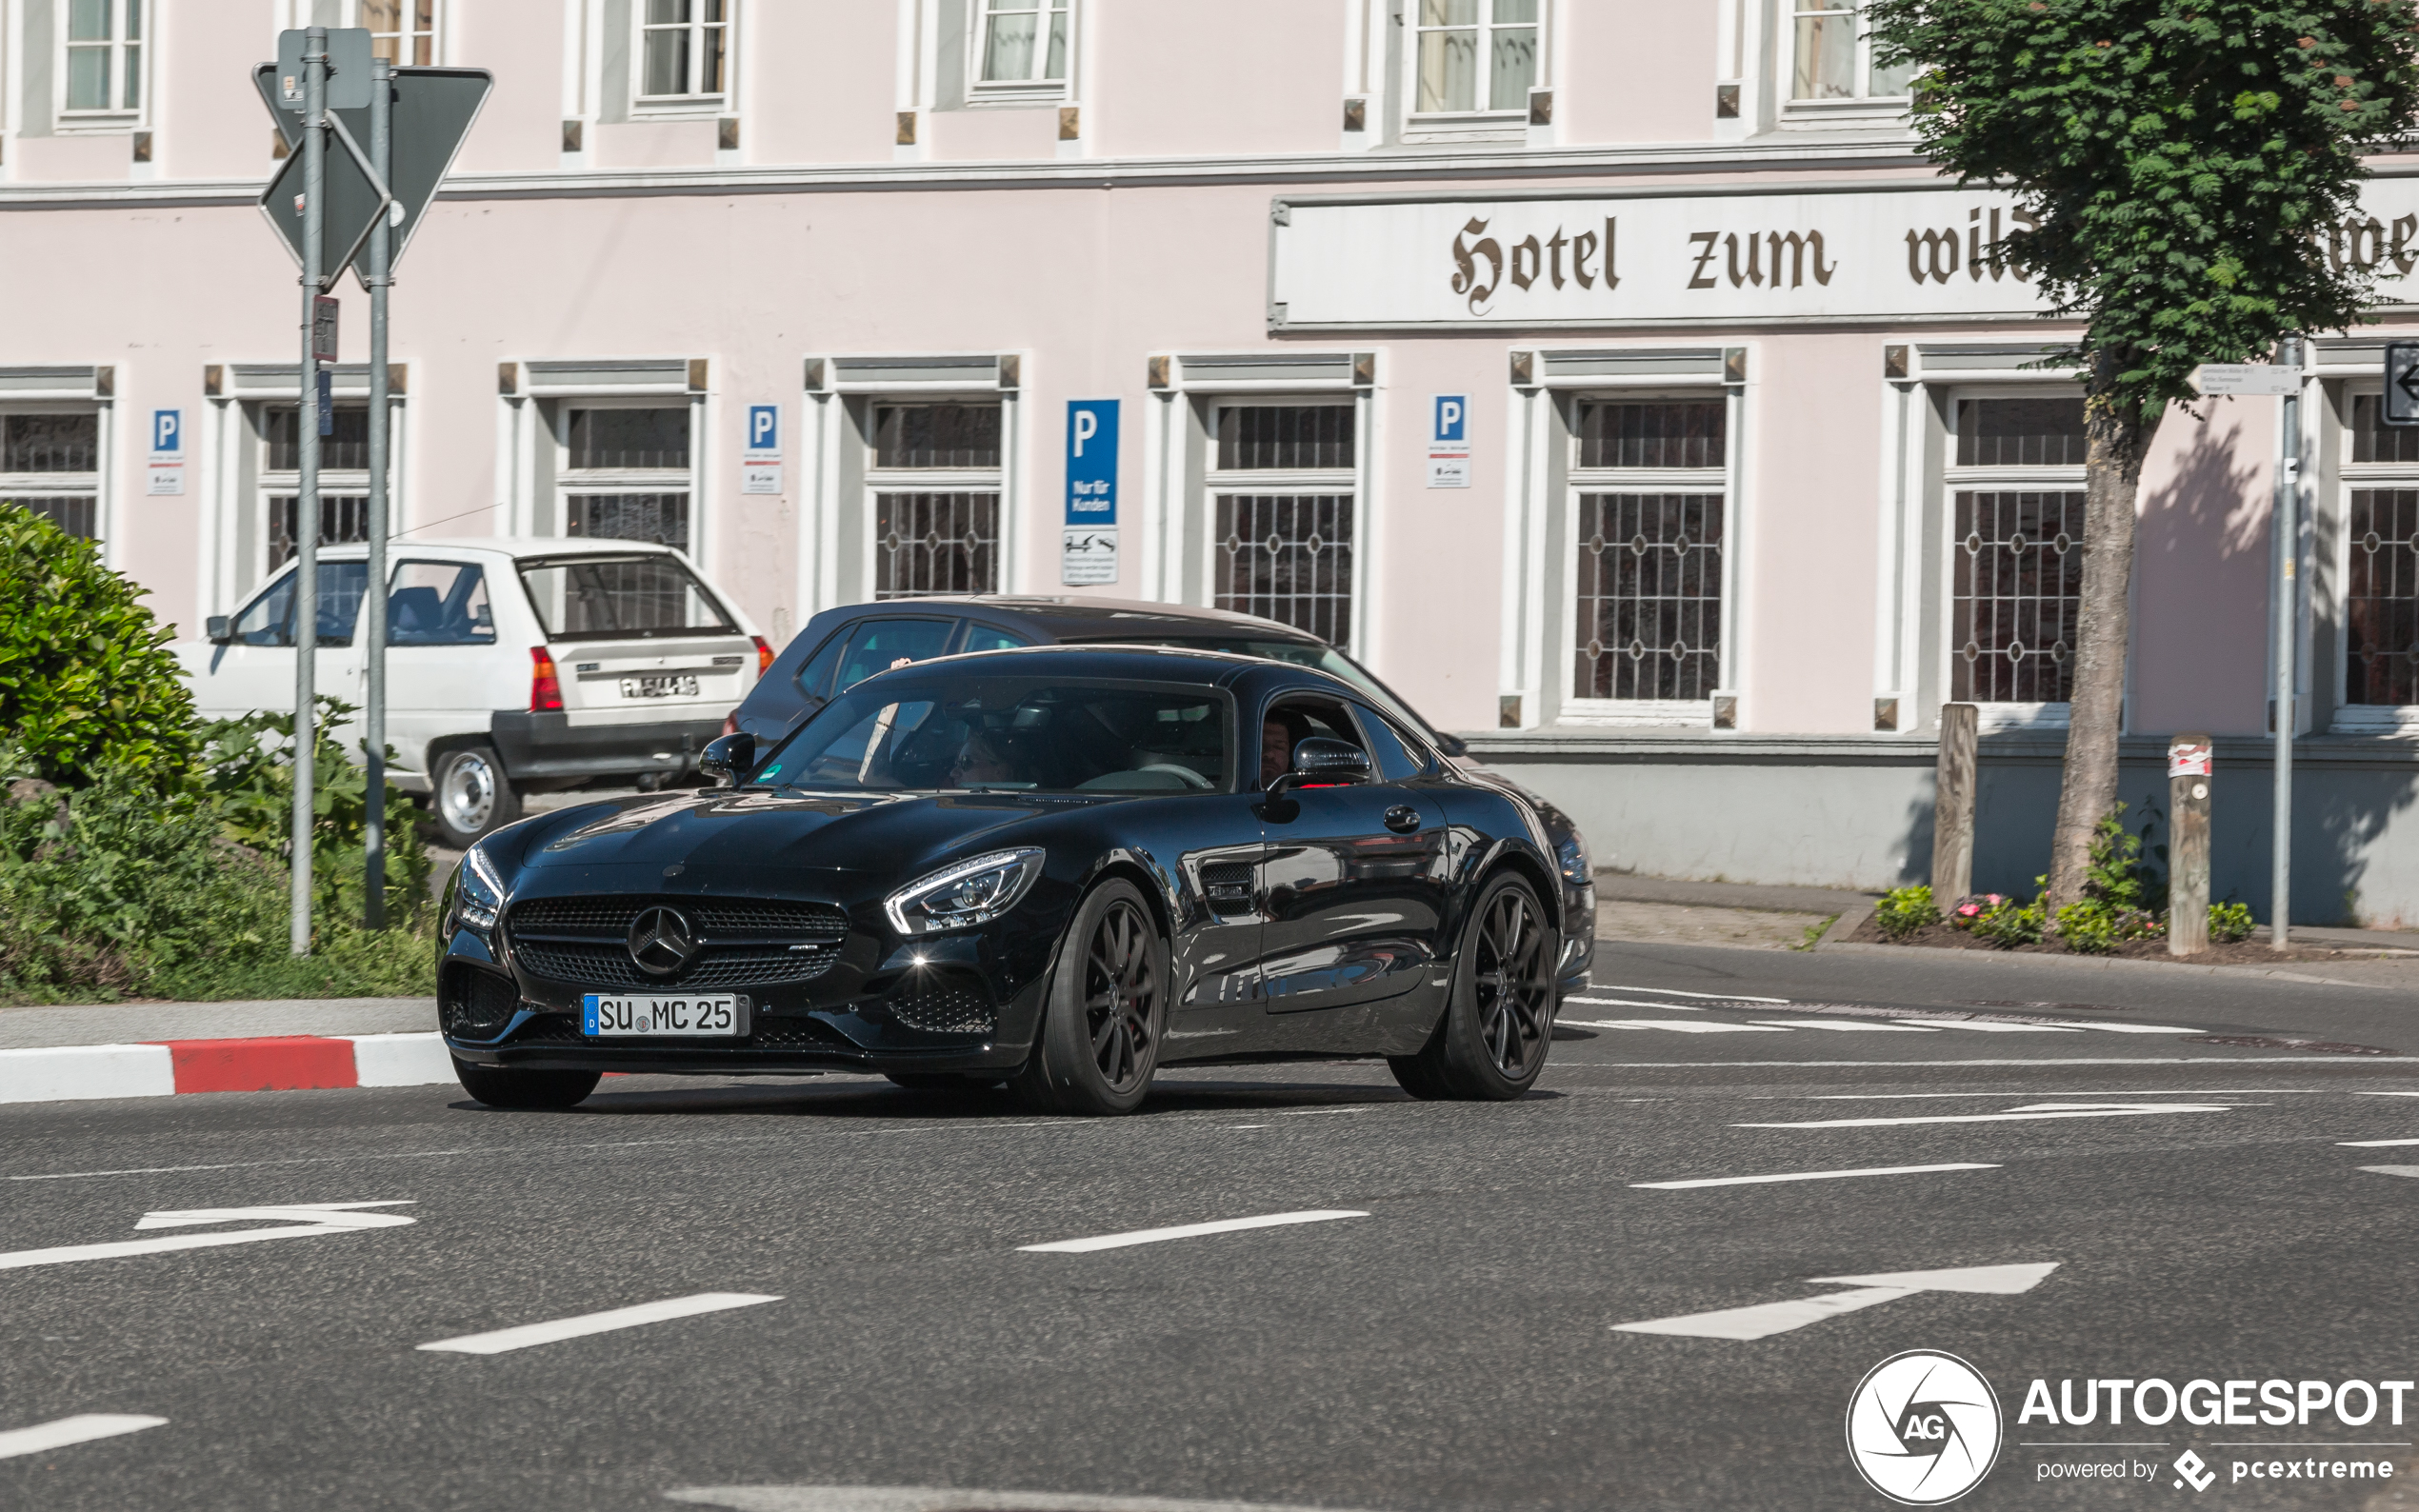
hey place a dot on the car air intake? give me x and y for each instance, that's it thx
(475, 1005)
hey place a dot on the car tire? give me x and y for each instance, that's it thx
(524, 1091)
(1106, 1010)
(1499, 1015)
(470, 796)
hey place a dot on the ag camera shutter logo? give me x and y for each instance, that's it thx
(1923, 1428)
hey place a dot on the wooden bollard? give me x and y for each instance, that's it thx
(1953, 815)
(2189, 762)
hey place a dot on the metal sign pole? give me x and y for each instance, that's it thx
(305, 609)
(374, 602)
(2288, 602)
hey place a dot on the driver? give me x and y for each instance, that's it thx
(979, 761)
(1281, 729)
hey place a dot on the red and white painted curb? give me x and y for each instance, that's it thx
(166, 1068)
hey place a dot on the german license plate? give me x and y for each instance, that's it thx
(659, 687)
(606, 1016)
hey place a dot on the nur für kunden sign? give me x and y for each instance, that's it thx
(1088, 550)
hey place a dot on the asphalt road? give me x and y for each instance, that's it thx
(2206, 1206)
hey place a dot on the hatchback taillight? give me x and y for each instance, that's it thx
(764, 655)
(545, 690)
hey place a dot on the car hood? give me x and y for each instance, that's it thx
(762, 829)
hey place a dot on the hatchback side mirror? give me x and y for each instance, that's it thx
(1323, 761)
(220, 629)
(728, 758)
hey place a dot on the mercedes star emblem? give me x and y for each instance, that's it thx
(661, 942)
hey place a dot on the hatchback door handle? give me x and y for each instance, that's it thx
(1403, 819)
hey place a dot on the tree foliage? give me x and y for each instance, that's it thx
(2190, 162)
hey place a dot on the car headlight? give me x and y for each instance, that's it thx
(970, 893)
(1573, 854)
(478, 892)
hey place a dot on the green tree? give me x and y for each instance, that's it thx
(2187, 163)
(86, 676)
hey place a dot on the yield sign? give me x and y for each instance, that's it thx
(434, 110)
(1780, 1317)
(354, 200)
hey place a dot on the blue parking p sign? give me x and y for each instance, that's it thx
(166, 470)
(1449, 441)
(764, 427)
(1092, 462)
(1453, 419)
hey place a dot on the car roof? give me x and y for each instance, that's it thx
(517, 546)
(1071, 618)
(1154, 664)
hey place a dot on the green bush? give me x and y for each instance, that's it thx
(1904, 911)
(247, 767)
(86, 679)
(2013, 924)
(2229, 923)
(2116, 875)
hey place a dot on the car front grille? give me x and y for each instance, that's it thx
(582, 942)
(944, 1006)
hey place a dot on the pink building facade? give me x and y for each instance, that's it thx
(1610, 376)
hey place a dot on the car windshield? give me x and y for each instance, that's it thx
(966, 733)
(595, 598)
(1310, 653)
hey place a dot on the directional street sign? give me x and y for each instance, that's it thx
(433, 111)
(2215, 379)
(2401, 383)
(354, 201)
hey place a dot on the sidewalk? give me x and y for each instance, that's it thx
(161, 1049)
(1660, 911)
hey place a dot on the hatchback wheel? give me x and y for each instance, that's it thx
(1099, 1039)
(1499, 1019)
(471, 796)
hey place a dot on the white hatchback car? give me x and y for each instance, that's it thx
(513, 665)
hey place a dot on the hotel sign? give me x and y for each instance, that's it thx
(1922, 253)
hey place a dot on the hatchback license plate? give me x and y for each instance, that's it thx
(606, 1016)
(659, 687)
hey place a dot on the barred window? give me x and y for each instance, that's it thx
(936, 543)
(630, 438)
(1285, 436)
(1659, 434)
(2020, 432)
(1288, 557)
(2381, 597)
(43, 443)
(346, 450)
(2373, 439)
(659, 518)
(77, 514)
(2017, 569)
(343, 518)
(944, 435)
(1649, 620)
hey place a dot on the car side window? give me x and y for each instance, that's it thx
(1291, 721)
(268, 620)
(879, 643)
(1396, 759)
(439, 604)
(814, 678)
(982, 637)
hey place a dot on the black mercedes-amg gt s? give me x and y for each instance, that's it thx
(1060, 868)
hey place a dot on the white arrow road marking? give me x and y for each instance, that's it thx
(1153, 1236)
(2393, 1171)
(1866, 1025)
(315, 1220)
(1780, 1317)
(80, 1429)
(597, 1322)
(1684, 1026)
(2037, 1110)
(1813, 1176)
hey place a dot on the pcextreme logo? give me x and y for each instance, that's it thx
(1923, 1428)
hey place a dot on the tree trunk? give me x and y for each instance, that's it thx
(2117, 441)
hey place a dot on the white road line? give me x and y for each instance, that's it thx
(2114, 1091)
(597, 1322)
(2039, 1110)
(1851, 1026)
(1636, 1002)
(2371, 1145)
(2234, 1062)
(1814, 1176)
(82, 1428)
(317, 1219)
(2386, 1094)
(1769, 1318)
(1675, 992)
(1152, 1235)
(1319, 1112)
(1990, 1026)
(2121, 1028)
(2393, 1171)
(1684, 1026)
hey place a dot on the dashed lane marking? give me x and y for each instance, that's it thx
(2393, 1171)
(597, 1322)
(1675, 992)
(1850, 1025)
(82, 1428)
(2232, 1063)
(1636, 1002)
(1990, 1026)
(2371, 1145)
(1684, 1026)
(1814, 1176)
(2032, 1111)
(1153, 1236)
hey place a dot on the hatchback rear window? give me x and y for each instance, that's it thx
(596, 598)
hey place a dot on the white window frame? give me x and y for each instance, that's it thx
(26, 485)
(880, 480)
(1033, 88)
(1348, 481)
(1492, 120)
(1861, 108)
(570, 480)
(2350, 718)
(695, 101)
(1955, 479)
(1578, 480)
(112, 118)
(407, 14)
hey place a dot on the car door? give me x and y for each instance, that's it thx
(1353, 883)
(256, 669)
(441, 639)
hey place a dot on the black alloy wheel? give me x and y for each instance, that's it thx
(1099, 1039)
(1499, 1020)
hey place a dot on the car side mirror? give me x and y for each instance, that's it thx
(220, 629)
(728, 758)
(1323, 761)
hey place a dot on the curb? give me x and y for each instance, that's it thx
(1835, 938)
(2075, 963)
(169, 1068)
